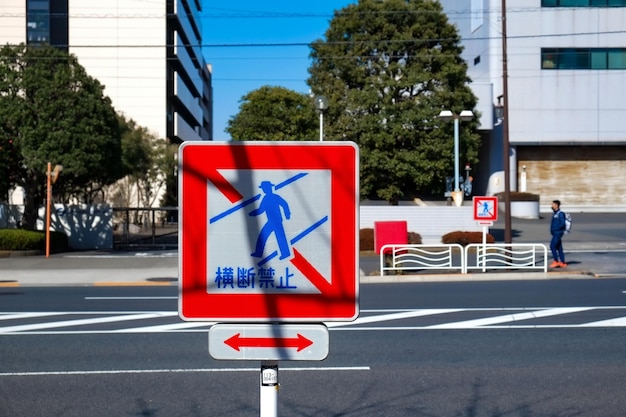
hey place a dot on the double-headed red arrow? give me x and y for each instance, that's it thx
(300, 342)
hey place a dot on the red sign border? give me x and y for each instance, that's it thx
(339, 301)
(495, 209)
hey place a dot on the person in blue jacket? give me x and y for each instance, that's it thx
(557, 230)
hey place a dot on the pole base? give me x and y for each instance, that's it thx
(457, 197)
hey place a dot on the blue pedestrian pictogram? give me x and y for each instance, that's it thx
(280, 220)
(274, 207)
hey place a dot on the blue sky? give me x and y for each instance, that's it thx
(238, 69)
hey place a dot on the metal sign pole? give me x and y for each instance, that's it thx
(269, 389)
(485, 229)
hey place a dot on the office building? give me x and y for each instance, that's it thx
(147, 54)
(566, 77)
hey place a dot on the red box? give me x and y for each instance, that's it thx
(390, 233)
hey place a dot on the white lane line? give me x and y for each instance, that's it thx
(126, 256)
(83, 322)
(395, 316)
(468, 324)
(161, 371)
(131, 298)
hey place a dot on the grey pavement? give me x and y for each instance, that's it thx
(597, 233)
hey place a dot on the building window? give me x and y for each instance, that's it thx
(38, 21)
(583, 3)
(583, 58)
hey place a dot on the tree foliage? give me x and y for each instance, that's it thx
(54, 112)
(8, 166)
(147, 162)
(274, 113)
(387, 69)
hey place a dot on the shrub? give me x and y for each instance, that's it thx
(19, 239)
(415, 238)
(518, 196)
(465, 238)
(366, 239)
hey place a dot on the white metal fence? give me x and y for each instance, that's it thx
(475, 256)
(532, 256)
(417, 257)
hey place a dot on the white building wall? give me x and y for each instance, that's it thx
(122, 44)
(12, 23)
(546, 106)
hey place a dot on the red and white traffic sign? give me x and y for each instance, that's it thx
(268, 231)
(485, 209)
(269, 342)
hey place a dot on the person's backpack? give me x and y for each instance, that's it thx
(568, 222)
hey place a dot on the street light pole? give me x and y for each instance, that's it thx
(465, 115)
(456, 154)
(321, 103)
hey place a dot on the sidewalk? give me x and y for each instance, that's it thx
(591, 232)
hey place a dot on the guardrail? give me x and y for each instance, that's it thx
(507, 256)
(418, 257)
(529, 256)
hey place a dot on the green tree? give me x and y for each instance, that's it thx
(387, 69)
(274, 113)
(55, 112)
(8, 166)
(147, 162)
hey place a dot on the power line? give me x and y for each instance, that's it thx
(339, 43)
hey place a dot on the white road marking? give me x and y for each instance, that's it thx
(469, 324)
(514, 320)
(18, 316)
(125, 255)
(166, 327)
(83, 322)
(167, 371)
(616, 322)
(394, 316)
(131, 298)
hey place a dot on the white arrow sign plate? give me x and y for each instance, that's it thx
(306, 342)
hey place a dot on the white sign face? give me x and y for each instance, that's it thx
(275, 216)
(269, 342)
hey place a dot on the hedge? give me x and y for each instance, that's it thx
(21, 240)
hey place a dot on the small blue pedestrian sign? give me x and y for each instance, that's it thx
(485, 209)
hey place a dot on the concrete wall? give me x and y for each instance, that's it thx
(593, 176)
(86, 226)
(430, 222)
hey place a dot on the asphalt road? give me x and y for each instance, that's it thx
(519, 348)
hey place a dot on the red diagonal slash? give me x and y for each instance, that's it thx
(225, 187)
(300, 342)
(312, 274)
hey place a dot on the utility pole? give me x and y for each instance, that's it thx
(505, 132)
